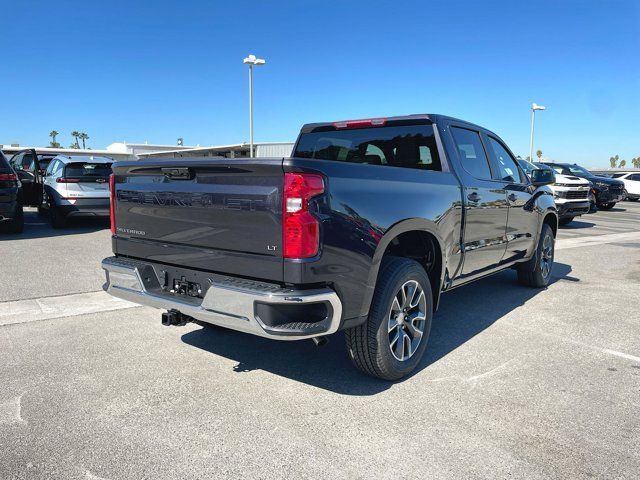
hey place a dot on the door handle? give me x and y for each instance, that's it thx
(512, 197)
(473, 197)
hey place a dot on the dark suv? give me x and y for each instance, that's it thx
(11, 218)
(607, 191)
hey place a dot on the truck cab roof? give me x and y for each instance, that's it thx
(418, 118)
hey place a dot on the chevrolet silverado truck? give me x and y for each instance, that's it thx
(606, 191)
(570, 193)
(361, 230)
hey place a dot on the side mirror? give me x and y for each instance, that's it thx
(542, 176)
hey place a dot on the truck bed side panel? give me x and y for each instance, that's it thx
(363, 203)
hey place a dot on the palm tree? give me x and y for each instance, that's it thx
(636, 162)
(53, 134)
(613, 161)
(83, 136)
(622, 163)
(539, 154)
(76, 134)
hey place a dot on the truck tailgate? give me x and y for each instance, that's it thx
(219, 215)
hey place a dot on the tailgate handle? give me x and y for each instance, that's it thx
(177, 173)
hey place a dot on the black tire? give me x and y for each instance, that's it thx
(565, 220)
(607, 206)
(534, 273)
(56, 217)
(369, 344)
(16, 225)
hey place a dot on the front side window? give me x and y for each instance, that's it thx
(16, 161)
(472, 155)
(507, 168)
(54, 167)
(527, 167)
(407, 146)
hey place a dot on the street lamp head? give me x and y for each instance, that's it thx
(535, 106)
(252, 60)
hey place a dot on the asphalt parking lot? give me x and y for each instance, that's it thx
(516, 382)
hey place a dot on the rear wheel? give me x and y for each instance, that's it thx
(391, 343)
(537, 271)
(607, 206)
(565, 220)
(16, 225)
(56, 217)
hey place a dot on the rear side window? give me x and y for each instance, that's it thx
(82, 169)
(472, 155)
(407, 146)
(4, 164)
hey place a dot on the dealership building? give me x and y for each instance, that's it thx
(135, 151)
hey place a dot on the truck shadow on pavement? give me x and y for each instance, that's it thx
(464, 312)
(575, 225)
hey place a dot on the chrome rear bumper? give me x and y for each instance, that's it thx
(229, 302)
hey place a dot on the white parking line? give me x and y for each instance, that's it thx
(23, 311)
(564, 243)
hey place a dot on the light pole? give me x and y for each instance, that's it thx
(534, 107)
(252, 61)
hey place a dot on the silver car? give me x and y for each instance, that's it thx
(76, 186)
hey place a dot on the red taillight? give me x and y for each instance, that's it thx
(112, 203)
(8, 177)
(67, 180)
(300, 229)
(365, 122)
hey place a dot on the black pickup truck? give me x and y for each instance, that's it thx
(361, 229)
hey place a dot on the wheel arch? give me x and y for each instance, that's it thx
(412, 238)
(551, 219)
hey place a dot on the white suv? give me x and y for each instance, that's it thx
(631, 184)
(76, 186)
(570, 193)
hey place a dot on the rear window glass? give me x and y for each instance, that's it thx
(87, 170)
(409, 146)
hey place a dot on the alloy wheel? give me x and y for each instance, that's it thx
(407, 319)
(546, 259)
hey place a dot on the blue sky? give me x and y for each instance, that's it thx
(155, 71)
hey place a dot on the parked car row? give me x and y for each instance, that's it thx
(570, 193)
(631, 182)
(578, 191)
(60, 186)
